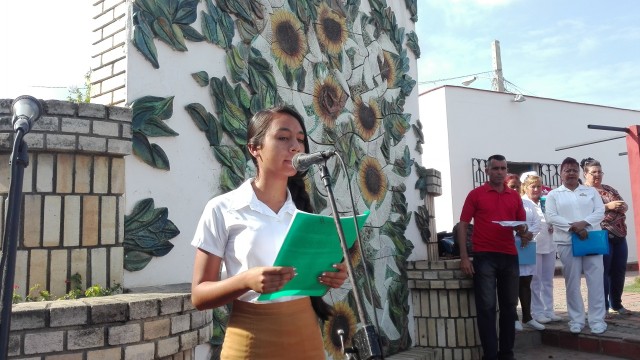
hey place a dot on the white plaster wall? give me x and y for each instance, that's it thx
(193, 178)
(481, 123)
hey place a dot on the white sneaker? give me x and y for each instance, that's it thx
(542, 319)
(534, 324)
(518, 326)
(575, 329)
(553, 317)
(599, 328)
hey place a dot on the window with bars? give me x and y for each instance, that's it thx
(550, 173)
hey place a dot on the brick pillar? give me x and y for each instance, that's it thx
(434, 188)
(73, 191)
(109, 62)
(444, 309)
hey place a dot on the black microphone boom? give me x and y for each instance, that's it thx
(302, 162)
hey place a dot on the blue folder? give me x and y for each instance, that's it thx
(597, 243)
(527, 254)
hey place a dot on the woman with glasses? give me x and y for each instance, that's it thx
(526, 270)
(615, 263)
(575, 209)
(542, 281)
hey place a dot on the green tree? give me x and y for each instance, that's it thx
(83, 94)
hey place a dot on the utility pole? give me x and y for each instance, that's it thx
(497, 84)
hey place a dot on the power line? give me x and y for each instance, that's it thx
(53, 87)
(452, 78)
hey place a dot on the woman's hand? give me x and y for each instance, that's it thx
(268, 279)
(616, 205)
(335, 279)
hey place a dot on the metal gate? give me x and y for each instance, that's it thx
(550, 173)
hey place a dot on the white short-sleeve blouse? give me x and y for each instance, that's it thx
(243, 231)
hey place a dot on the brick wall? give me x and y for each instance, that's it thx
(73, 222)
(108, 65)
(73, 191)
(128, 326)
(434, 189)
(444, 309)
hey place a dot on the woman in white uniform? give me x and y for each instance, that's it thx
(526, 270)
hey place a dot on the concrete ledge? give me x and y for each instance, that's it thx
(416, 353)
(152, 322)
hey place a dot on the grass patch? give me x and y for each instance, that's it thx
(634, 287)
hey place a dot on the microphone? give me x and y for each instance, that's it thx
(26, 110)
(302, 162)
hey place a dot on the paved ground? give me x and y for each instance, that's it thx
(556, 353)
(619, 326)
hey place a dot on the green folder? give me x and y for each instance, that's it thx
(312, 246)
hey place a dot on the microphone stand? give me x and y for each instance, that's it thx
(366, 341)
(19, 161)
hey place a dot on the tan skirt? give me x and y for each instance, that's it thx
(283, 330)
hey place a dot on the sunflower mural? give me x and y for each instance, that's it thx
(289, 44)
(372, 181)
(342, 64)
(329, 100)
(344, 318)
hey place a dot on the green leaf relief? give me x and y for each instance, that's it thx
(412, 43)
(150, 106)
(199, 115)
(186, 12)
(190, 33)
(422, 222)
(151, 154)
(201, 77)
(421, 183)
(229, 104)
(143, 41)
(146, 234)
(412, 6)
(154, 127)
(217, 27)
(231, 157)
(402, 166)
(206, 122)
(396, 125)
(229, 180)
(237, 62)
(162, 28)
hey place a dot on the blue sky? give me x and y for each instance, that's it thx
(583, 51)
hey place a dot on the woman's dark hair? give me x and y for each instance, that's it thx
(512, 177)
(589, 162)
(568, 161)
(256, 132)
(260, 122)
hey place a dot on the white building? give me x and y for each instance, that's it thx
(462, 124)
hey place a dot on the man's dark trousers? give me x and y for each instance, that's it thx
(496, 273)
